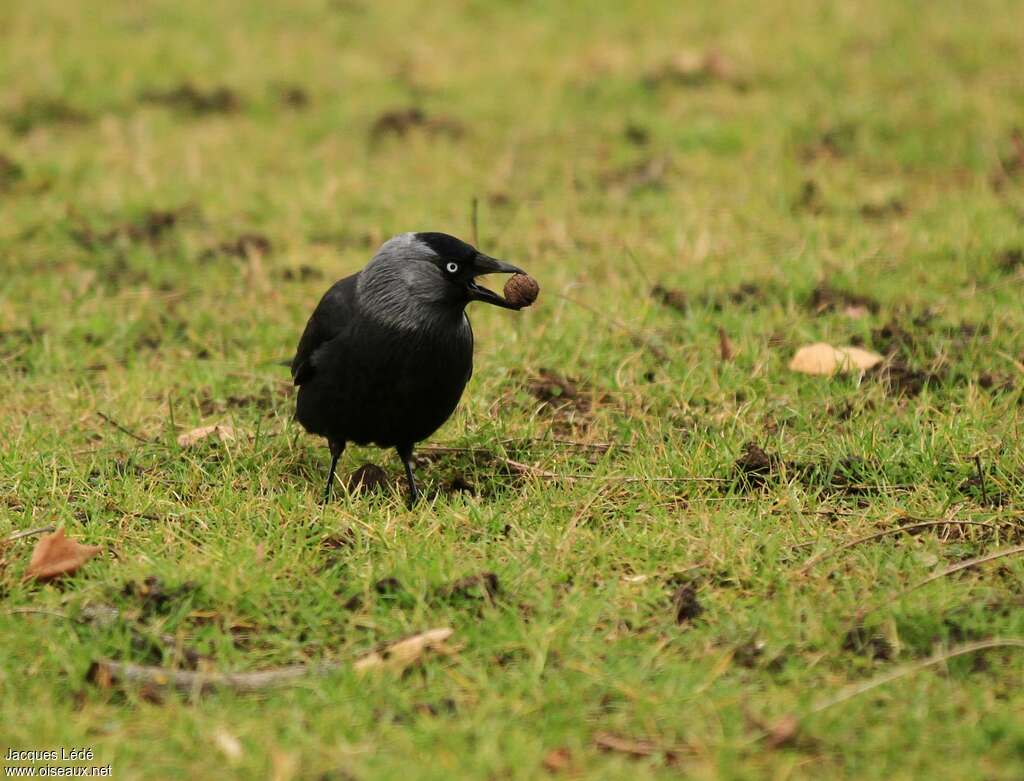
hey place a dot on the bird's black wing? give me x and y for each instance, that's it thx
(328, 320)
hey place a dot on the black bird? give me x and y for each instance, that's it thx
(388, 351)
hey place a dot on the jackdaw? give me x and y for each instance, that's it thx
(388, 351)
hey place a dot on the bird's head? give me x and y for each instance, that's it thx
(432, 269)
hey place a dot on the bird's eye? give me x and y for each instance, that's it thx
(452, 267)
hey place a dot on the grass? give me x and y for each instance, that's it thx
(179, 182)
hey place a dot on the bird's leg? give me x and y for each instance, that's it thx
(336, 450)
(405, 453)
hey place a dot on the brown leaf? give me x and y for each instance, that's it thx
(783, 732)
(405, 652)
(223, 433)
(824, 359)
(56, 555)
(558, 760)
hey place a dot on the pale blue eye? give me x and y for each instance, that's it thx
(452, 267)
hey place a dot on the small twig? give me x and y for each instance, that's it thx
(954, 568)
(855, 690)
(106, 673)
(570, 528)
(868, 538)
(29, 533)
(35, 611)
(123, 429)
(981, 478)
(785, 730)
(950, 570)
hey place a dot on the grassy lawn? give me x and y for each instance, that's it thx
(659, 508)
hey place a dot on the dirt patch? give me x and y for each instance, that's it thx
(151, 227)
(755, 467)
(826, 299)
(695, 70)
(302, 273)
(568, 401)
(863, 642)
(403, 121)
(244, 246)
(746, 294)
(637, 135)
(891, 207)
(1009, 261)
(834, 143)
(292, 96)
(481, 586)
(810, 198)
(11, 173)
(458, 484)
(556, 391)
(898, 378)
(647, 174)
(848, 475)
(671, 297)
(155, 597)
(342, 540)
(268, 398)
(187, 98)
(44, 112)
(1011, 165)
(685, 604)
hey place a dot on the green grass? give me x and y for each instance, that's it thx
(868, 145)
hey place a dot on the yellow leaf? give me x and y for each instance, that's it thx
(223, 433)
(824, 359)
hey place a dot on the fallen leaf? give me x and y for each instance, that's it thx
(56, 555)
(558, 760)
(223, 433)
(405, 652)
(824, 359)
(228, 744)
(783, 732)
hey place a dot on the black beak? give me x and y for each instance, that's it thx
(482, 264)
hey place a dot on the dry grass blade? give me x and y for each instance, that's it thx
(27, 533)
(950, 570)
(953, 568)
(857, 689)
(786, 729)
(809, 564)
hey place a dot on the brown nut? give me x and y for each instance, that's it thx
(521, 290)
